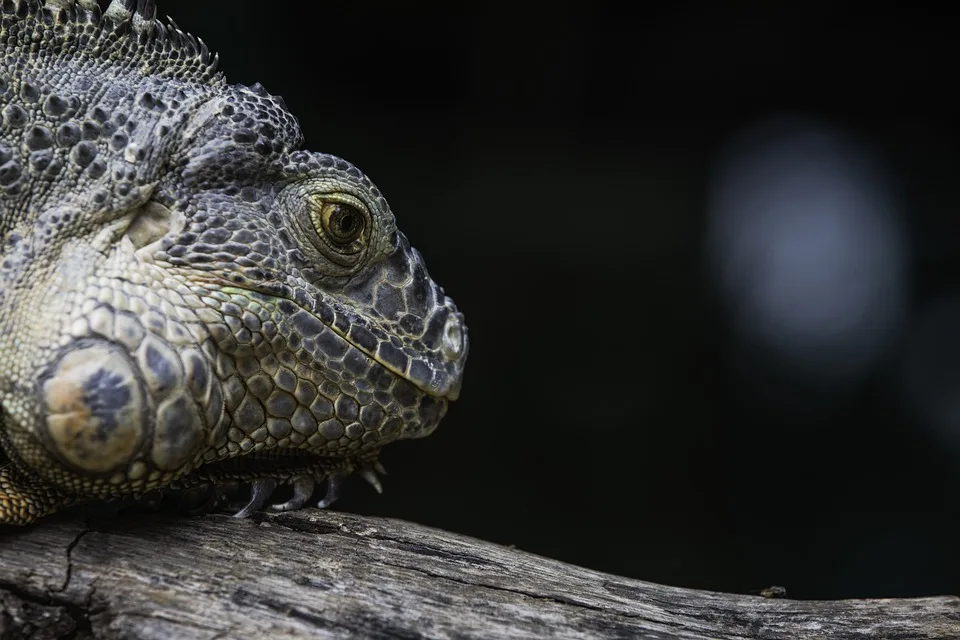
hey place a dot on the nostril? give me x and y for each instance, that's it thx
(452, 342)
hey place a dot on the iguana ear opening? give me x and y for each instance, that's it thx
(151, 223)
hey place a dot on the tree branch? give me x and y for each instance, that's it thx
(327, 574)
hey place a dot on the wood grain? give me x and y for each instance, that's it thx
(324, 574)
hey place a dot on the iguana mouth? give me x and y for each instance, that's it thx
(430, 374)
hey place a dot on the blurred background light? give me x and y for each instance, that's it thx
(806, 250)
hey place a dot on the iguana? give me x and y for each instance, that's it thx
(188, 298)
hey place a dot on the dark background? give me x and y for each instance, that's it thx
(559, 170)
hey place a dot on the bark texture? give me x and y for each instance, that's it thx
(324, 574)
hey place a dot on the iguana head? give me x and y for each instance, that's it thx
(191, 287)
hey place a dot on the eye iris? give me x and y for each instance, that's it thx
(343, 222)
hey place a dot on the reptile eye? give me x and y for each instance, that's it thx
(341, 223)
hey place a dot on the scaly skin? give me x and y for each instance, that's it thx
(186, 297)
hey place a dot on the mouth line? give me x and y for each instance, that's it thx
(448, 392)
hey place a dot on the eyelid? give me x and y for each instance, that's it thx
(320, 199)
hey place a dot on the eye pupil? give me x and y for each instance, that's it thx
(347, 220)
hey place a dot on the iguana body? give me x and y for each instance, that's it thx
(185, 295)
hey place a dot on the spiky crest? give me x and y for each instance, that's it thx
(127, 34)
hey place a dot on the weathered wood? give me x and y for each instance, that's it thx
(324, 574)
